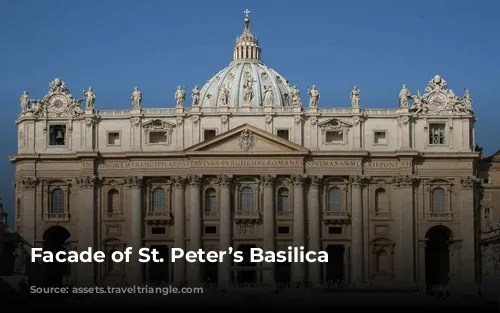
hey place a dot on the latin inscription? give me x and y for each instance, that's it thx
(334, 163)
(252, 163)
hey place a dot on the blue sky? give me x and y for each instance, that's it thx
(156, 45)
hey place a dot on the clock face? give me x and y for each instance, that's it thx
(58, 103)
(437, 101)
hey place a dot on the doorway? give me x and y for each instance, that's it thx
(158, 272)
(246, 275)
(55, 240)
(335, 265)
(437, 257)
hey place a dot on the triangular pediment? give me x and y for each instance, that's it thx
(334, 124)
(247, 139)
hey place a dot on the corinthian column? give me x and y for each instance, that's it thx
(194, 225)
(179, 228)
(467, 252)
(406, 184)
(134, 272)
(225, 228)
(314, 229)
(298, 224)
(86, 228)
(269, 227)
(28, 217)
(357, 230)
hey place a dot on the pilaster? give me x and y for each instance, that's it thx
(29, 212)
(467, 260)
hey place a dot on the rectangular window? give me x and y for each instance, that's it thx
(283, 230)
(114, 139)
(158, 137)
(209, 134)
(57, 135)
(210, 230)
(332, 136)
(380, 137)
(158, 231)
(437, 134)
(335, 230)
(283, 133)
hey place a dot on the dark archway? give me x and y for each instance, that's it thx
(55, 240)
(437, 257)
(247, 274)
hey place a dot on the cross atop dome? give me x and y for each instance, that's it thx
(247, 11)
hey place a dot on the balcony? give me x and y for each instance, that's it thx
(440, 217)
(57, 217)
(210, 215)
(158, 218)
(247, 217)
(381, 216)
(284, 215)
(113, 216)
(332, 217)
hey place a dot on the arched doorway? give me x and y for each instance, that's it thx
(55, 240)
(437, 257)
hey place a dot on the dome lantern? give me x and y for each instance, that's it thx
(247, 45)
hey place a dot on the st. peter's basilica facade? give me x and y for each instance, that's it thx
(248, 161)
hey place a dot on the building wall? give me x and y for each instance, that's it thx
(406, 166)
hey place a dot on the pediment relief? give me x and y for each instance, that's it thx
(334, 124)
(157, 124)
(247, 139)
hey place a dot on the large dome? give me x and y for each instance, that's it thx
(245, 82)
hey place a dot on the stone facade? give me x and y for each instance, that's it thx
(248, 165)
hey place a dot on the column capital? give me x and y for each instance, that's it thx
(224, 180)
(267, 180)
(29, 182)
(468, 182)
(133, 181)
(315, 181)
(85, 182)
(179, 181)
(405, 181)
(194, 180)
(359, 180)
(298, 180)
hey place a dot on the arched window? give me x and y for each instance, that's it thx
(437, 201)
(57, 201)
(334, 200)
(210, 201)
(246, 199)
(283, 205)
(380, 200)
(18, 207)
(159, 201)
(113, 201)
